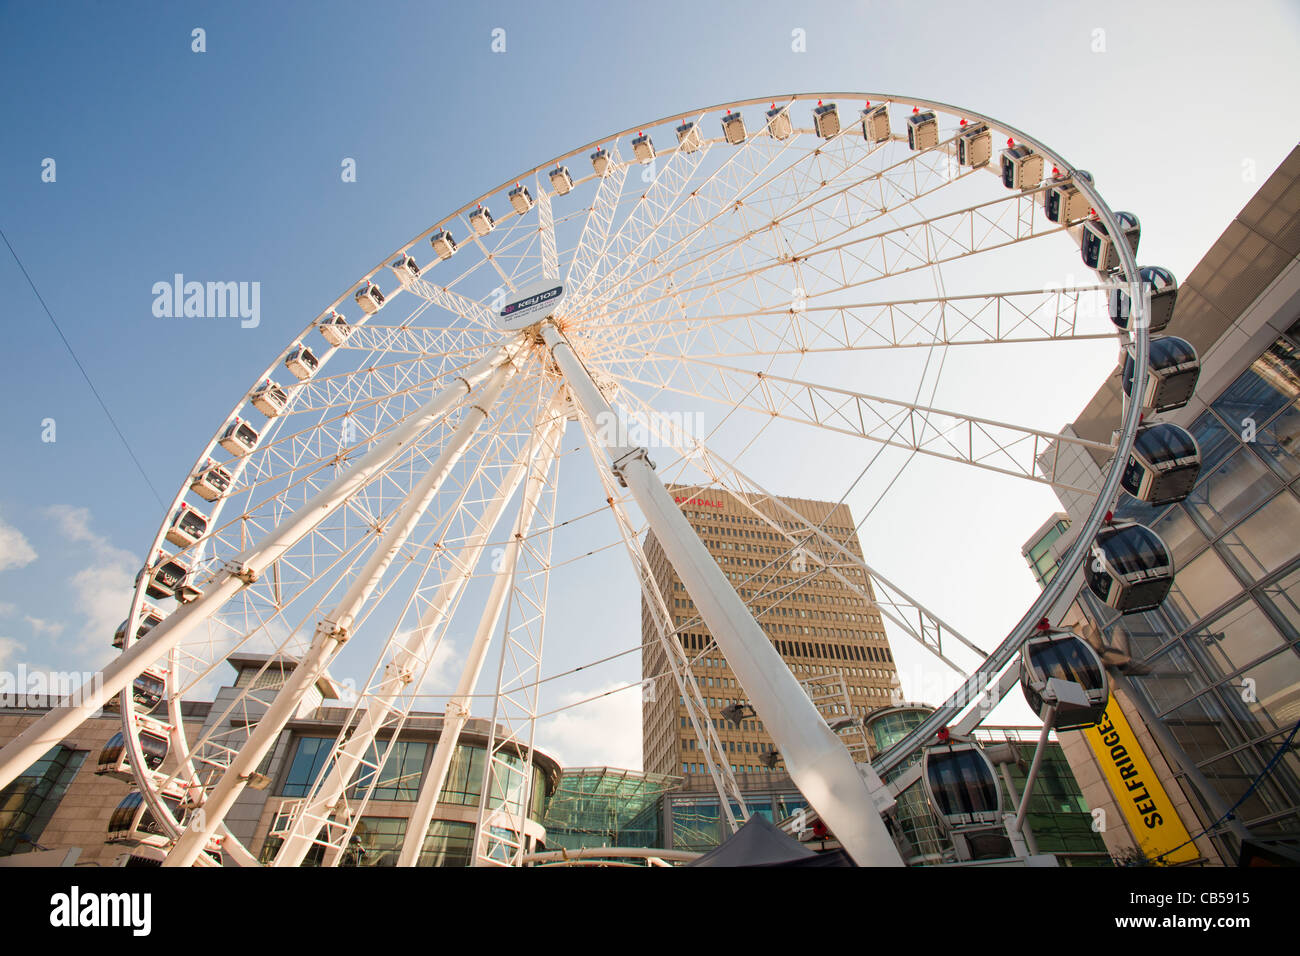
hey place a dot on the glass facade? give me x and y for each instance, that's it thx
(448, 843)
(697, 822)
(1040, 557)
(377, 840)
(1058, 816)
(27, 804)
(399, 778)
(1222, 654)
(601, 806)
(403, 771)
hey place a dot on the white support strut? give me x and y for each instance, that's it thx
(28, 747)
(818, 762)
(456, 714)
(398, 672)
(333, 631)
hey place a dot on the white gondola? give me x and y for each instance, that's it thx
(166, 576)
(643, 148)
(922, 130)
(561, 181)
(150, 617)
(1163, 465)
(733, 128)
(1099, 252)
(1064, 203)
(1172, 370)
(1065, 656)
(482, 221)
(444, 246)
(521, 199)
(369, 298)
(875, 123)
(826, 120)
(334, 328)
(961, 785)
(131, 821)
(188, 525)
(212, 482)
(239, 438)
(147, 691)
(405, 268)
(1162, 288)
(688, 137)
(974, 145)
(114, 758)
(1130, 570)
(1022, 168)
(269, 398)
(778, 122)
(600, 161)
(302, 361)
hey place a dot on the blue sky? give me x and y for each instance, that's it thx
(225, 165)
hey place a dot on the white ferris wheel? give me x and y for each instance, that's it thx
(747, 283)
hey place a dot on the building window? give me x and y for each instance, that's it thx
(448, 843)
(400, 777)
(27, 804)
(376, 841)
(308, 759)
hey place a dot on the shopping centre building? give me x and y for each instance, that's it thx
(60, 810)
(1208, 685)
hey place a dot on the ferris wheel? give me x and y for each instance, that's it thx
(746, 284)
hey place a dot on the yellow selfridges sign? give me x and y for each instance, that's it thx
(1144, 802)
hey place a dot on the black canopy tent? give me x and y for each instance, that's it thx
(760, 843)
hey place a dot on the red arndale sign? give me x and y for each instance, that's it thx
(699, 502)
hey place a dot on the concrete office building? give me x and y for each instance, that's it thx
(826, 631)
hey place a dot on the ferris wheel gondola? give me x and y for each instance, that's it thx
(974, 145)
(875, 123)
(961, 785)
(1172, 370)
(149, 618)
(922, 130)
(334, 328)
(1022, 168)
(114, 757)
(188, 526)
(1131, 569)
(269, 398)
(1163, 464)
(1098, 249)
(1160, 286)
(147, 690)
(1062, 655)
(1063, 202)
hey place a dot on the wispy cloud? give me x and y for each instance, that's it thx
(603, 732)
(8, 648)
(40, 626)
(101, 590)
(15, 550)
